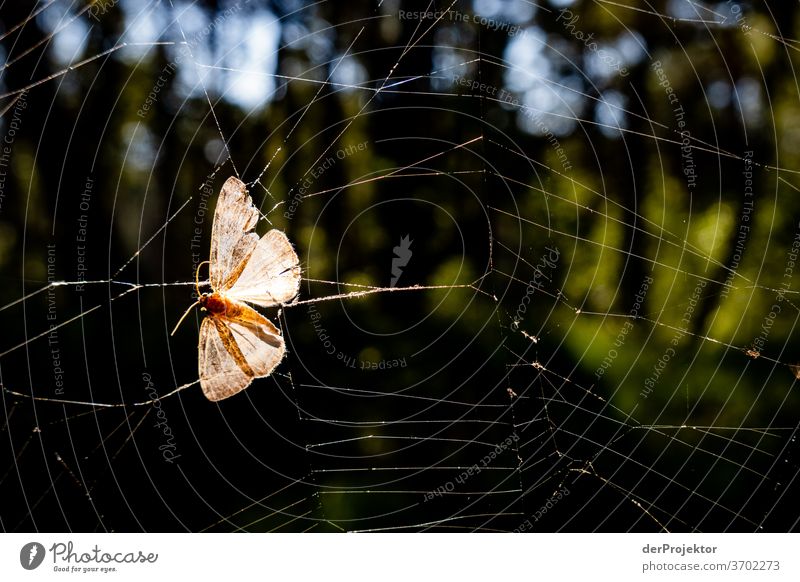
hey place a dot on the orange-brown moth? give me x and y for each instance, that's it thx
(237, 343)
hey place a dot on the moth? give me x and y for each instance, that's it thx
(237, 343)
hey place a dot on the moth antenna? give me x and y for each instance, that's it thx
(184, 316)
(197, 288)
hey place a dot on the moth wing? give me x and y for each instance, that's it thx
(232, 239)
(272, 273)
(795, 368)
(231, 352)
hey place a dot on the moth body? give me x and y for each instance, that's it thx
(237, 343)
(217, 304)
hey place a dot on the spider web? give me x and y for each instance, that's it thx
(500, 326)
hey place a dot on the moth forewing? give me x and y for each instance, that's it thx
(236, 343)
(220, 376)
(232, 239)
(236, 347)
